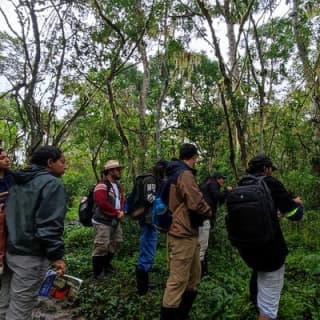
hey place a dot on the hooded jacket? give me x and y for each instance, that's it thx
(186, 202)
(5, 183)
(35, 212)
(212, 194)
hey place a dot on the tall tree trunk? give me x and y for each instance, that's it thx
(230, 79)
(311, 77)
(143, 133)
(115, 116)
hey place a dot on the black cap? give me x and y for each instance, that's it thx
(218, 174)
(260, 161)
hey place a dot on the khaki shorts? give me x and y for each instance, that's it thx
(106, 239)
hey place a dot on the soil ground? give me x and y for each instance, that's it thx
(52, 309)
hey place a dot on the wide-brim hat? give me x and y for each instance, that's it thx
(112, 164)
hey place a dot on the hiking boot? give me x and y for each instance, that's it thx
(142, 279)
(169, 314)
(97, 264)
(107, 266)
(186, 303)
(204, 268)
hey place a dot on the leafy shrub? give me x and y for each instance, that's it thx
(303, 184)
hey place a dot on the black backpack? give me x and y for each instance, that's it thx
(142, 195)
(86, 209)
(250, 220)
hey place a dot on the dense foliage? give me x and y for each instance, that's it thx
(132, 80)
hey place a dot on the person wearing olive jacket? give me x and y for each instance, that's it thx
(35, 212)
(189, 210)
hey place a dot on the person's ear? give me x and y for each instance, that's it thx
(49, 163)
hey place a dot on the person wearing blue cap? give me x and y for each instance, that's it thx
(211, 189)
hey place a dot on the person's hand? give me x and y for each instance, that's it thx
(3, 195)
(60, 267)
(298, 200)
(229, 188)
(120, 214)
(279, 214)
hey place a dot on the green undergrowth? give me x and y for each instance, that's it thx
(223, 294)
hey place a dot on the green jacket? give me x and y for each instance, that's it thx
(35, 212)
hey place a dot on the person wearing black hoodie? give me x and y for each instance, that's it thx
(35, 212)
(267, 261)
(211, 189)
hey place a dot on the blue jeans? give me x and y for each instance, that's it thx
(148, 246)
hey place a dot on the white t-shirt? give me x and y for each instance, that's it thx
(117, 204)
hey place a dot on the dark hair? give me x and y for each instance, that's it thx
(187, 151)
(1, 150)
(41, 155)
(258, 163)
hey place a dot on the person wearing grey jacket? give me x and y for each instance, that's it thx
(35, 212)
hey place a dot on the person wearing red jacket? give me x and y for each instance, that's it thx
(6, 181)
(109, 210)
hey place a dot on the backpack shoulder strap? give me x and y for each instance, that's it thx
(248, 179)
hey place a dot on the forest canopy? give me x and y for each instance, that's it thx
(134, 79)
(126, 79)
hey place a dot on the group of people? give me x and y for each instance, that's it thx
(35, 206)
(194, 210)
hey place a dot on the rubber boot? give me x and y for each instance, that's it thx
(204, 268)
(253, 289)
(107, 266)
(188, 298)
(98, 264)
(169, 314)
(142, 281)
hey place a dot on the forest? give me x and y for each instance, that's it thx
(134, 79)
